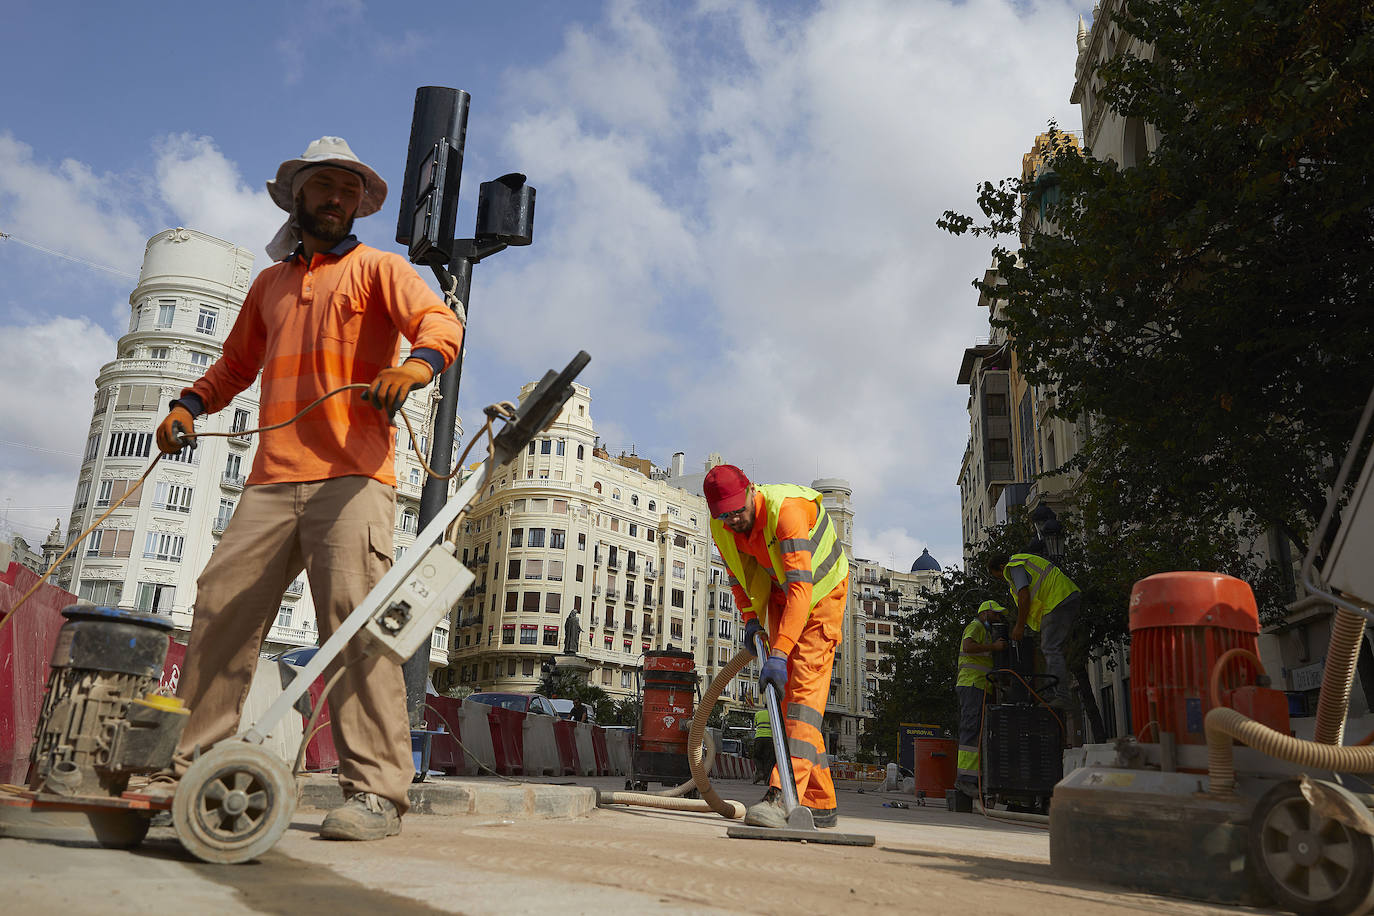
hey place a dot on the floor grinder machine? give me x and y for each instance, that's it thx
(102, 721)
(1213, 798)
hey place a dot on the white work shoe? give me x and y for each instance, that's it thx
(364, 816)
(767, 813)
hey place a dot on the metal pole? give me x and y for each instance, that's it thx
(770, 697)
(435, 492)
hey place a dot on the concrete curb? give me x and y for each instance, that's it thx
(459, 797)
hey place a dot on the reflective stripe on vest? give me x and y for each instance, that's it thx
(1048, 586)
(763, 728)
(829, 566)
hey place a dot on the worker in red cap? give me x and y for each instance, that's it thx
(788, 566)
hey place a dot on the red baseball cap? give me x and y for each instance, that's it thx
(725, 487)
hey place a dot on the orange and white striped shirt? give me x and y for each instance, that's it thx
(312, 327)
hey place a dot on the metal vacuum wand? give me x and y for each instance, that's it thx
(798, 816)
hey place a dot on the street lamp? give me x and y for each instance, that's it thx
(1049, 532)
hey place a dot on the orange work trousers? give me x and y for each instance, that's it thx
(808, 689)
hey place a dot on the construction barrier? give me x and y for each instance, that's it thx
(26, 644)
(565, 736)
(601, 752)
(618, 752)
(588, 762)
(445, 753)
(507, 739)
(539, 750)
(474, 728)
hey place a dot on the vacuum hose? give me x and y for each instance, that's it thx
(710, 800)
(1223, 725)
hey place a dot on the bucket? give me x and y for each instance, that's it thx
(935, 766)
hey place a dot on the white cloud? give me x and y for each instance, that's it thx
(69, 208)
(774, 254)
(51, 368)
(205, 191)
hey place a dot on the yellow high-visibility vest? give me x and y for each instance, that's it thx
(974, 667)
(1048, 585)
(763, 728)
(828, 564)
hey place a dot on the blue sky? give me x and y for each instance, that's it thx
(736, 208)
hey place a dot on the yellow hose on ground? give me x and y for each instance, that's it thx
(710, 799)
(1223, 725)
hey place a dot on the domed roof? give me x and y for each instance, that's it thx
(925, 562)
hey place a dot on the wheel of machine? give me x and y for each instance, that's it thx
(119, 828)
(234, 803)
(1309, 863)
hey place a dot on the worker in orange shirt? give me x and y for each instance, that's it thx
(321, 495)
(786, 562)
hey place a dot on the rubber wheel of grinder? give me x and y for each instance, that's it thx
(234, 803)
(1308, 863)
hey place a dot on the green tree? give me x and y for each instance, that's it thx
(1206, 309)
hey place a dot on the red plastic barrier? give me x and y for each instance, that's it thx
(565, 736)
(508, 740)
(603, 756)
(320, 753)
(445, 753)
(26, 644)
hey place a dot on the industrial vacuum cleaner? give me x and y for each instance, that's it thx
(1213, 798)
(102, 722)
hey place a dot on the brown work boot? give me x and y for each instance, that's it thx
(768, 812)
(364, 816)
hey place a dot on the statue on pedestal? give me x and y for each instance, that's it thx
(572, 633)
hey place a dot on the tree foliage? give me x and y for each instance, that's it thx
(1207, 308)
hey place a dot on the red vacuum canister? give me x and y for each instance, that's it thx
(1181, 624)
(670, 689)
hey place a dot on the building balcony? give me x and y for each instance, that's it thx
(218, 526)
(297, 587)
(628, 628)
(631, 569)
(613, 563)
(610, 623)
(480, 590)
(648, 629)
(596, 558)
(596, 591)
(612, 594)
(232, 481)
(630, 597)
(239, 437)
(650, 573)
(649, 602)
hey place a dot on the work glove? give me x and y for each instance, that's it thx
(390, 387)
(178, 420)
(774, 672)
(750, 628)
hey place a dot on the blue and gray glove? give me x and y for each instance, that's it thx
(750, 628)
(774, 673)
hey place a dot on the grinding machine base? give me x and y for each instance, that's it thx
(1152, 831)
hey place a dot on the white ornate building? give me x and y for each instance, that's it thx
(150, 551)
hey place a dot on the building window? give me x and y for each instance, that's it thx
(159, 353)
(284, 615)
(205, 322)
(675, 628)
(536, 537)
(240, 420)
(233, 467)
(517, 537)
(200, 360)
(414, 477)
(546, 446)
(581, 542)
(173, 497)
(529, 634)
(83, 495)
(154, 598)
(653, 506)
(580, 572)
(508, 634)
(531, 602)
(724, 631)
(580, 453)
(550, 636)
(512, 602)
(166, 311)
(410, 521)
(555, 570)
(679, 569)
(534, 569)
(512, 569)
(129, 445)
(679, 597)
(558, 538)
(92, 448)
(226, 512)
(162, 546)
(553, 602)
(104, 592)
